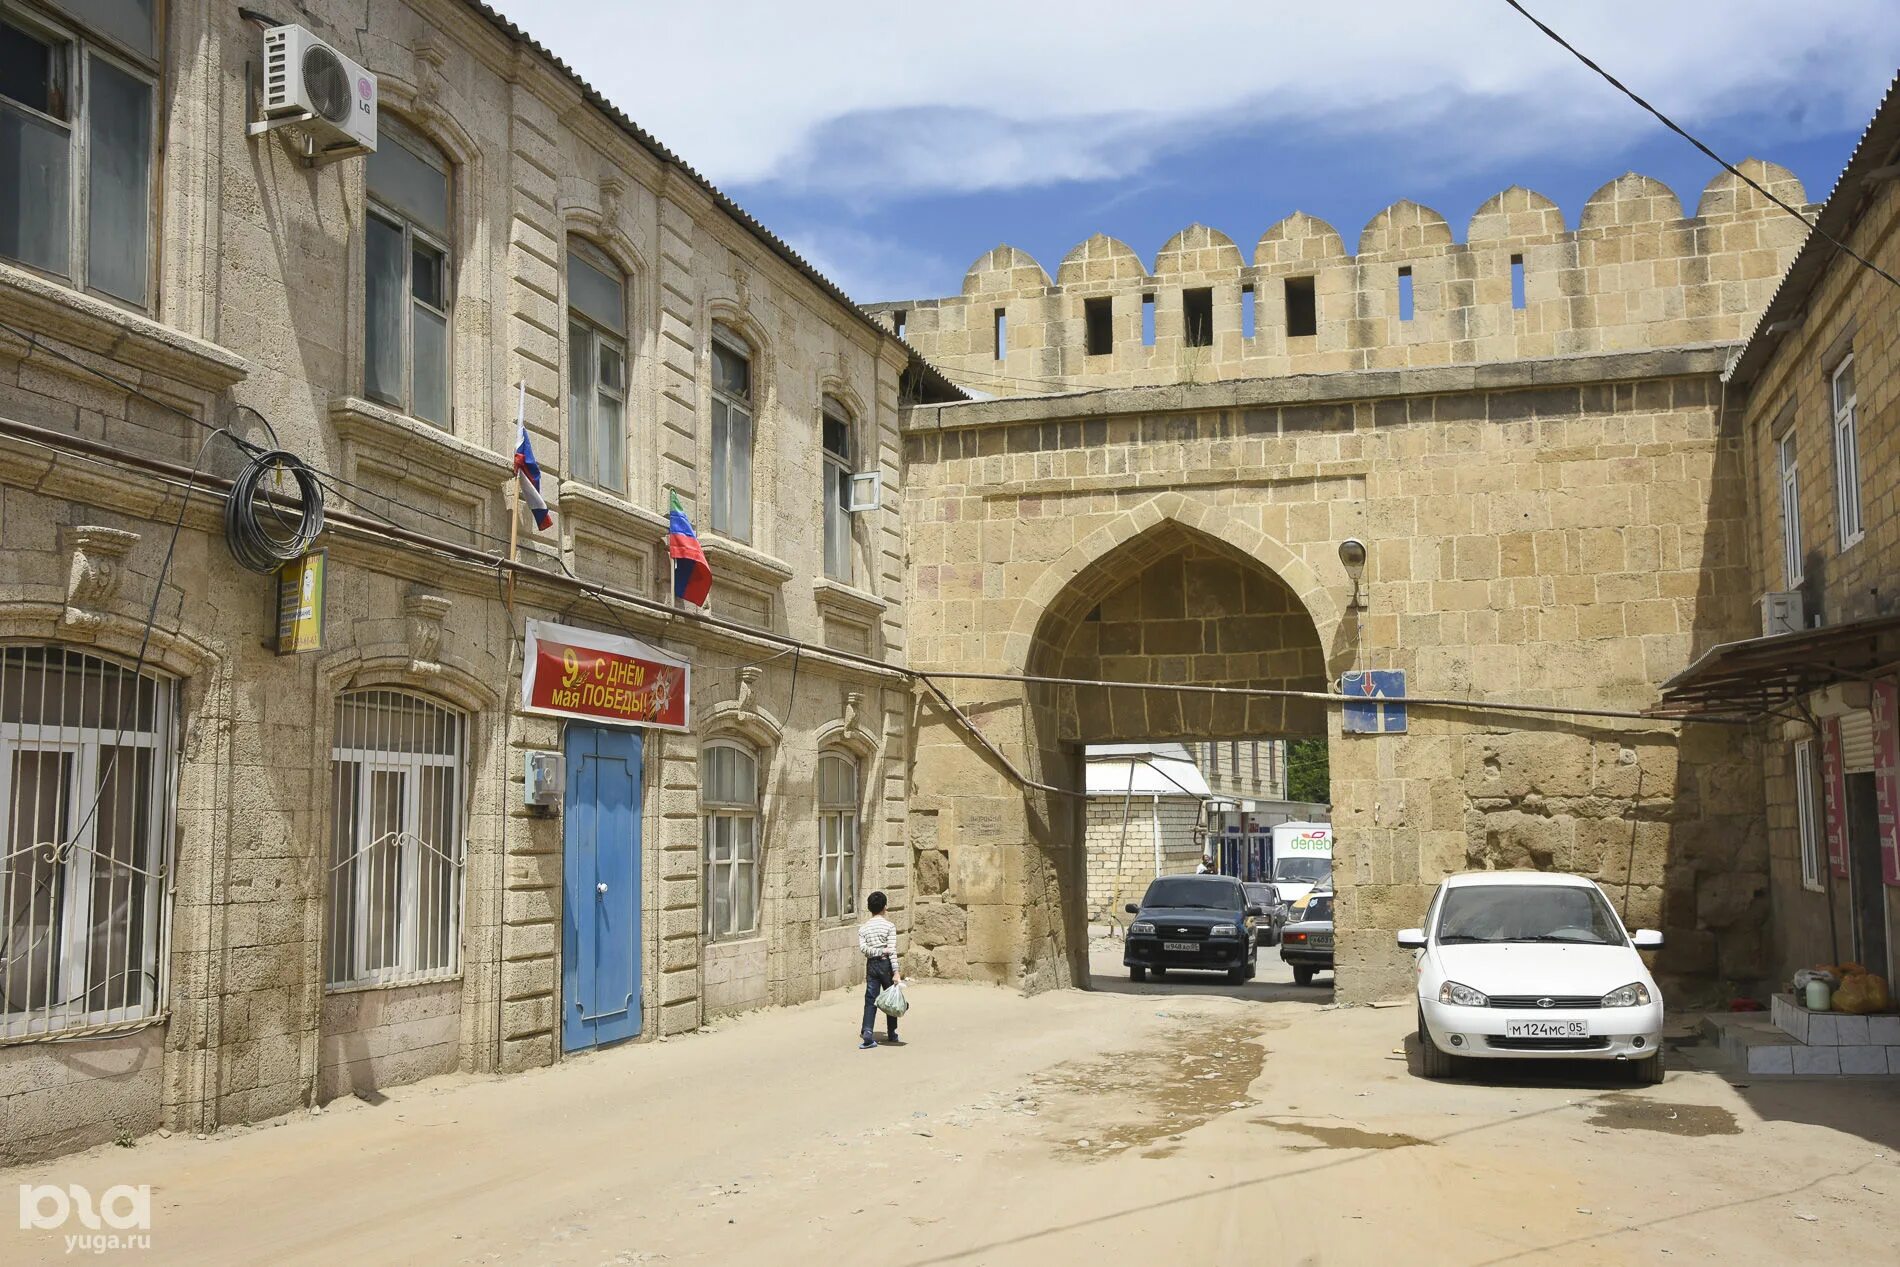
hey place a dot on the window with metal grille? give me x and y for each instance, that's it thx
(406, 352)
(396, 849)
(1790, 509)
(86, 781)
(837, 836)
(1846, 452)
(729, 799)
(77, 123)
(1807, 819)
(731, 435)
(596, 367)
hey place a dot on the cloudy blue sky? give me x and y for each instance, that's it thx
(892, 143)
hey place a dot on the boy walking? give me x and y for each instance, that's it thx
(877, 938)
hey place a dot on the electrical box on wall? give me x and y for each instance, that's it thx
(544, 779)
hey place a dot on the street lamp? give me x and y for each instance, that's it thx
(1352, 554)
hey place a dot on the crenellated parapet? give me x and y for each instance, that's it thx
(1635, 273)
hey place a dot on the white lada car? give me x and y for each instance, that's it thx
(1528, 964)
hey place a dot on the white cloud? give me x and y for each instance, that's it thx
(987, 94)
(868, 266)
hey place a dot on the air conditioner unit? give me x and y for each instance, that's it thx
(310, 84)
(1783, 612)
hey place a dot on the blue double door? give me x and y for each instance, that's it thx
(600, 876)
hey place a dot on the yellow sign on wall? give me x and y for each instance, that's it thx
(300, 605)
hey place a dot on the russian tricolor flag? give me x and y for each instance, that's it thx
(692, 575)
(529, 472)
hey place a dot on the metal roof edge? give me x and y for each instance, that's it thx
(1839, 213)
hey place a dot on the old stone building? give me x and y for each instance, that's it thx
(239, 882)
(1524, 430)
(269, 844)
(1814, 402)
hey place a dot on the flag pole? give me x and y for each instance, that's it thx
(514, 507)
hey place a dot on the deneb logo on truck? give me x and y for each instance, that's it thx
(1310, 842)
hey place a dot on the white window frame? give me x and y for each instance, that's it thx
(1846, 453)
(393, 131)
(347, 967)
(597, 457)
(1787, 459)
(837, 531)
(731, 505)
(739, 868)
(81, 47)
(839, 825)
(73, 864)
(1807, 814)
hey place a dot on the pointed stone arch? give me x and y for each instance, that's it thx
(1204, 520)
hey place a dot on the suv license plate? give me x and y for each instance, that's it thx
(1180, 945)
(1546, 1029)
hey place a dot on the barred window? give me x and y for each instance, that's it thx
(729, 798)
(85, 778)
(396, 851)
(837, 836)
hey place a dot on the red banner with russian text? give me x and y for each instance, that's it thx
(1834, 795)
(601, 677)
(1886, 708)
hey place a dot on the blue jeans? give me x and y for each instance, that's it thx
(878, 975)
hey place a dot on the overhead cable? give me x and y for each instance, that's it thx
(1682, 132)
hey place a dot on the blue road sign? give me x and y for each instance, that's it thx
(1378, 706)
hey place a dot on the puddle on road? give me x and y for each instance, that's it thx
(1344, 1136)
(1130, 1100)
(1630, 1112)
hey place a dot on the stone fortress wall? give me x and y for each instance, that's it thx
(1635, 274)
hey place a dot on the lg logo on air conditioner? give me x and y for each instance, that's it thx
(120, 1208)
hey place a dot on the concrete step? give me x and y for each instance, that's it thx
(1754, 1045)
(1834, 1029)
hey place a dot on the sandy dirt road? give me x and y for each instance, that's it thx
(1160, 1122)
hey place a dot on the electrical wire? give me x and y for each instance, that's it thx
(1682, 132)
(261, 532)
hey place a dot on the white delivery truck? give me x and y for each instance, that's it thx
(1302, 858)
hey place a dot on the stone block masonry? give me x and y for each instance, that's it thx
(1566, 532)
(259, 313)
(1636, 273)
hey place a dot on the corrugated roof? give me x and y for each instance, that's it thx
(647, 141)
(1842, 210)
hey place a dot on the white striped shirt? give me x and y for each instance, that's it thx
(877, 937)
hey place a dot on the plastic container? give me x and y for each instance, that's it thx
(1819, 997)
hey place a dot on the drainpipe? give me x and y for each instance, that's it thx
(1157, 832)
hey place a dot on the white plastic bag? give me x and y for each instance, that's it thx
(891, 1000)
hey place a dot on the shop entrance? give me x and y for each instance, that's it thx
(1866, 890)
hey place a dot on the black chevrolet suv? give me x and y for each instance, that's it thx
(1192, 921)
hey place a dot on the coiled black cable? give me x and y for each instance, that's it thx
(268, 528)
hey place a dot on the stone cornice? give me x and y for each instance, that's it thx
(847, 600)
(376, 427)
(745, 563)
(47, 308)
(1304, 389)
